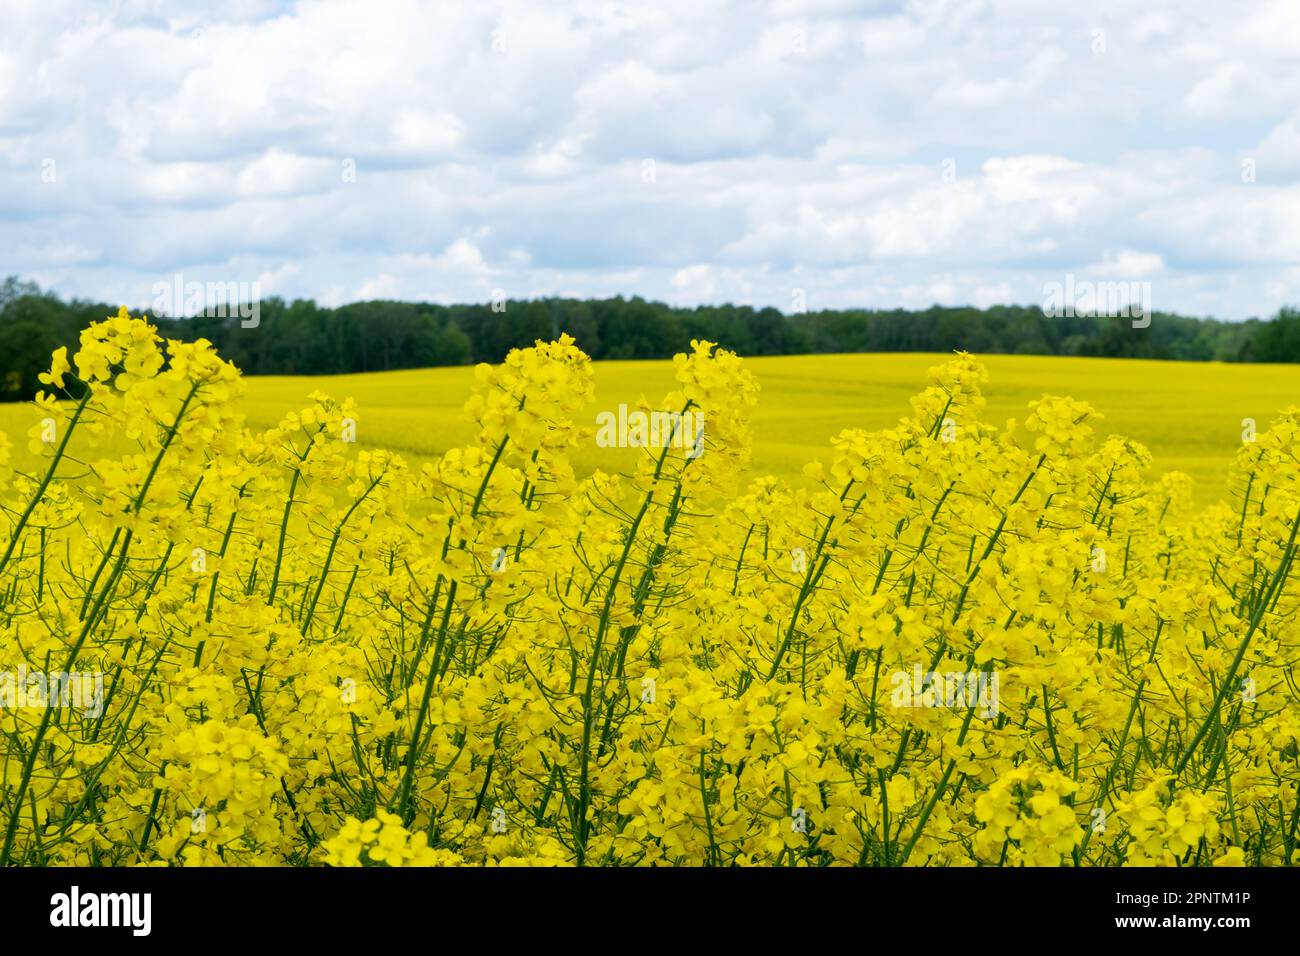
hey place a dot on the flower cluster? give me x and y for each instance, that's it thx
(313, 652)
(382, 841)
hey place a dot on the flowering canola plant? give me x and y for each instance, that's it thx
(310, 654)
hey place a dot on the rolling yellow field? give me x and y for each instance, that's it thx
(1188, 413)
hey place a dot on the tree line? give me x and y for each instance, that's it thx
(304, 338)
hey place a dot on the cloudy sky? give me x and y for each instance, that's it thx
(866, 153)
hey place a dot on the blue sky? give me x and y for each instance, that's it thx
(861, 154)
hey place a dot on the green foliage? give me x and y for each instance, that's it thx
(303, 338)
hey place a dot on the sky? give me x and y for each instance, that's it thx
(818, 154)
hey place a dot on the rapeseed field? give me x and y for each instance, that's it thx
(402, 624)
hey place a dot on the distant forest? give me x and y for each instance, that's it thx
(303, 338)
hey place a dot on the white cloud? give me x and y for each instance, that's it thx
(462, 256)
(1128, 264)
(801, 144)
(696, 282)
(382, 286)
(1279, 151)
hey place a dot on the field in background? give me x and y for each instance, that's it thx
(1188, 413)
